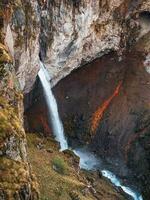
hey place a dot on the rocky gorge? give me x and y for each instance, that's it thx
(97, 53)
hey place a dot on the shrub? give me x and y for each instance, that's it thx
(59, 165)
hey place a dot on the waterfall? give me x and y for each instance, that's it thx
(56, 123)
(88, 161)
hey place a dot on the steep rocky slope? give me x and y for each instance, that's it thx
(59, 176)
(16, 178)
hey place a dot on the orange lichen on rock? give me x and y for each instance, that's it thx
(99, 112)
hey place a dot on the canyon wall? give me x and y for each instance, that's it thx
(105, 103)
(16, 178)
(80, 31)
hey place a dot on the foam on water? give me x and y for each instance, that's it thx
(88, 161)
(117, 183)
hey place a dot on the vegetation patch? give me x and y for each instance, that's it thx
(54, 185)
(10, 124)
(60, 165)
(59, 185)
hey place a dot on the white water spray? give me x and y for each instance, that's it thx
(52, 108)
(88, 161)
(117, 183)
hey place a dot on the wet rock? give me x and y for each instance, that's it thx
(23, 193)
(100, 174)
(73, 158)
(92, 189)
(3, 195)
(91, 179)
(18, 18)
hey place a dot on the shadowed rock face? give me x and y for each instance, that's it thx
(36, 113)
(116, 95)
(89, 87)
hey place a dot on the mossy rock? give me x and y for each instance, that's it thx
(15, 177)
(5, 60)
(10, 124)
(4, 55)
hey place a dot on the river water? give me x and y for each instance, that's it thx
(89, 161)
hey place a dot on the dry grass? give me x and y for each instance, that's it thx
(53, 185)
(60, 186)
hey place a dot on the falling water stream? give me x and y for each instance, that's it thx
(87, 159)
(52, 108)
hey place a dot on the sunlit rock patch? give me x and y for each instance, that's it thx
(99, 113)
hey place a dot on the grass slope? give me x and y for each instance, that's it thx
(56, 185)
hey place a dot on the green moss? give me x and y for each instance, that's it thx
(4, 59)
(10, 124)
(56, 186)
(4, 56)
(14, 177)
(13, 173)
(60, 165)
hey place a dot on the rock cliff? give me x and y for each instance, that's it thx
(67, 33)
(105, 103)
(16, 178)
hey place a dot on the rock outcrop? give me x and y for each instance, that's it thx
(20, 29)
(66, 33)
(16, 178)
(84, 30)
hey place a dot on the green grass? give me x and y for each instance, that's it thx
(60, 165)
(65, 183)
